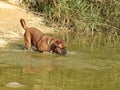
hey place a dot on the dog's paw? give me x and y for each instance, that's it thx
(28, 50)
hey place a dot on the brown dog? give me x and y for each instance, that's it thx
(43, 42)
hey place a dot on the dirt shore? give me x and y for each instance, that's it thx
(10, 28)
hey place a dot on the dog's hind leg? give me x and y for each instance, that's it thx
(27, 40)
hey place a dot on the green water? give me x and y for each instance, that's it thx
(80, 69)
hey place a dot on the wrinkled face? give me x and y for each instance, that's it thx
(59, 47)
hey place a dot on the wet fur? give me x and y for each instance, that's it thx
(43, 42)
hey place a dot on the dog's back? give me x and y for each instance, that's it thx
(32, 35)
(36, 35)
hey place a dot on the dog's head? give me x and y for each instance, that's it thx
(58, 46)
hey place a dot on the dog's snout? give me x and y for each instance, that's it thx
(64, 51)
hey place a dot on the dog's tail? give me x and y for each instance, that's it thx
(23, 23)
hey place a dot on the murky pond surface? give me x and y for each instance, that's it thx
(80, 69)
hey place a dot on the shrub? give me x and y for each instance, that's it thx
(90, 21)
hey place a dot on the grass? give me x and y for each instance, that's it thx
(90, 22)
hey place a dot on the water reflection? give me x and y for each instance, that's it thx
(38, 69)
(80, 69)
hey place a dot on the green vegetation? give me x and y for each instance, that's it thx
(88, 22)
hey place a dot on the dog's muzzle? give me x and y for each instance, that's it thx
(62, 51)
(57, 49)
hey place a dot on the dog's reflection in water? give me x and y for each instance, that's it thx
(38, 69)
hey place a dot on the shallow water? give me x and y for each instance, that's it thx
(80, 69)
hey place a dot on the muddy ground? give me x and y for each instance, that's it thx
(10, 28)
